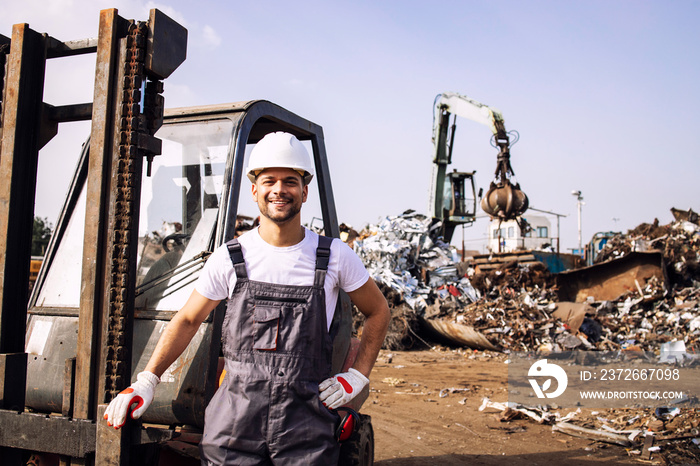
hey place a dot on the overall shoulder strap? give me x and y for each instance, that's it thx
(323, 255)
(236, 254)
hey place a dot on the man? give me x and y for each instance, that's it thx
(276, 404)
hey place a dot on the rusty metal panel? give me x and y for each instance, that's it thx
(22, 80)
(68, 387)
(27, 124)
(138, 114)
(167, 45)
(610, 280)
(57, 49)
(98, 185)
(112, 444)
(59, 435)
(13, 367)
(460, 334)
(4, 50)
(184, 392)
(18, 167)
(116, 325)
(50, 343)
(65, 113)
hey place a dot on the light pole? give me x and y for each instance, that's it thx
(579, 203)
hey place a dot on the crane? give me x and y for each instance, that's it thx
(451, 203)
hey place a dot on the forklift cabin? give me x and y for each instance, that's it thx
(189, 206)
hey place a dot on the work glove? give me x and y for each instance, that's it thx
(140, 393)
(341, 389)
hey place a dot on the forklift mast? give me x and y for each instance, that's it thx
(154, 192)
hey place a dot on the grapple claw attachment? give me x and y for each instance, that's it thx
(504, 200)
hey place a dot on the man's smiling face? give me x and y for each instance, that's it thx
(279, 192)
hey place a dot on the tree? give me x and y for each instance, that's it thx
(41, 235)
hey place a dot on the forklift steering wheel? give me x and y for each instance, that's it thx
(176, 237)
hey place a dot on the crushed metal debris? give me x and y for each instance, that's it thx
(653, 272)
(517, 306)
(668, 434)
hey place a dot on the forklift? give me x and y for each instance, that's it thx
(154, 192)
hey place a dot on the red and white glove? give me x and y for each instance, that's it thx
(341, 389)
(140, 393)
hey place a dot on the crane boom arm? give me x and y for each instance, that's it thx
(503, 199)
(469, 108)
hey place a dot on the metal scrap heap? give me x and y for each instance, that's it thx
(519, 307)
(399, 253)
(413, 272)
(426, 281)
(679, 241)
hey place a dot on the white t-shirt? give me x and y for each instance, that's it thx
(293, 265)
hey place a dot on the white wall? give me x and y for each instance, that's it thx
(512, 239)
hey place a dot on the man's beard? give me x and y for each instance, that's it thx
(292, 209)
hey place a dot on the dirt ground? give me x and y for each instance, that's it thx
(414, 425)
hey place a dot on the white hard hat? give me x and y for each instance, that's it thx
(280, 150)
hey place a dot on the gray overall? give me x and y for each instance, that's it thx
(277, 350)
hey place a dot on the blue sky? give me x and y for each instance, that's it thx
(603, 93)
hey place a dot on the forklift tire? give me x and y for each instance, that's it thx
(358, 450)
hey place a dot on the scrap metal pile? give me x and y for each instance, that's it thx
(417, 276)
(668, 434)
(678, 240)
(517, 306)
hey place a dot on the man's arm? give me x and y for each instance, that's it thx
(371, 302)
(179, 332)
(339, 390)
(172, 343)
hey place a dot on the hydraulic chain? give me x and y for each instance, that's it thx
(135, 138)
